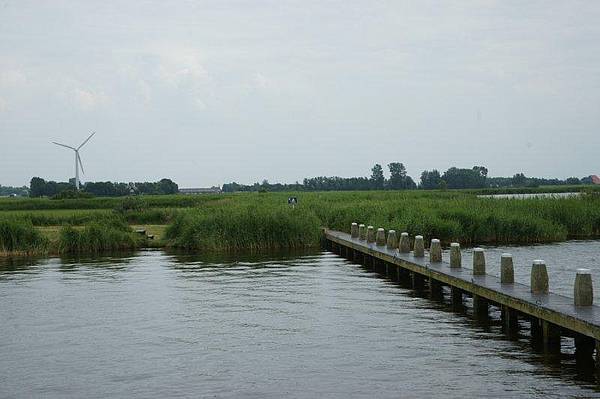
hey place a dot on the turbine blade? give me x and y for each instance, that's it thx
(80, 163)
(86, 140)
(63, 145)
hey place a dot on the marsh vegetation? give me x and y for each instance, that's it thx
(254, 221)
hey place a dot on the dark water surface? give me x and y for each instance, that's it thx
(314, 325)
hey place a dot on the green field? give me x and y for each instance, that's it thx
(257, 221)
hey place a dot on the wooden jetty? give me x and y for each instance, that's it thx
(551, 315)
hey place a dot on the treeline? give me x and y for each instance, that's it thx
(520, 180)
(453, 178)
(398, 180)
(41, 188)
(5, 191)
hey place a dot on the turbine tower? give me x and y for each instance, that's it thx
(78, 163)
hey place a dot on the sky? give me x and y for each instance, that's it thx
(210, 92)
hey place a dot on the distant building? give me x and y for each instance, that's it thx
(595, 179)
(201, 190)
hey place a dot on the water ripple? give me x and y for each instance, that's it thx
(306, 325)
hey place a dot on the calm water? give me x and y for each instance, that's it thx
(532, 195)
(312, 325)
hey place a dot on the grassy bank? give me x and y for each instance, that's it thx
(259, 221)
(537, 190)
(450, 216)
(21, 237)
(111, 235)
(150, 201)
(467, 219)
(243, 226)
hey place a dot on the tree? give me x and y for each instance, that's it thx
(233, 187)
(37, 185)
(397, 175)
(519, 180)
(573, 181)
(399, 180)
(377, 178)
(107, 189)
(466, 178)
(13, 191)
(168, 186)
(41, 187)
(482, 170)
(430, 180)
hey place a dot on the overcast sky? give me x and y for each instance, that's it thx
(210, 92)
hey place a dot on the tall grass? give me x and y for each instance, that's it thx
(20, 237)
(449, 216)
(536, 190)
(150, 201)
(97, 237)
(468, 219)
(78, 217)
(245, 227)
(264, 220)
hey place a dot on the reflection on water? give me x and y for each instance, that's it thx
(158, 324)
(187, 258)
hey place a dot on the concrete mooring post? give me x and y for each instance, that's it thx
(419, 249)
(354, 230)
(392, 240)
(478, 262)
(480, 304)
(435, 251)
(404, 245)
(539, 277)
(455, 255)
(583, 291)
(550, 333)
(380, 237)
(370, 234)
(362, 232)
(507, 271)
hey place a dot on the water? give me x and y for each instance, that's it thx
(562, 261)
(161, 325)
(532, 195)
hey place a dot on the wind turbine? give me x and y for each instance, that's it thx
(78, 163)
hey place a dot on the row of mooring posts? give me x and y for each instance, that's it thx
(542, 331)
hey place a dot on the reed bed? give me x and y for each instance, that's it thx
(244, 227)
(449, 216)
(21, 237)
(257, 221)
(79, 217)
(148, 201)
(98, 237)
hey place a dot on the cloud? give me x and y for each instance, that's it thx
(260, 81)
(87, 99)
(157, 72)
(12, 78)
